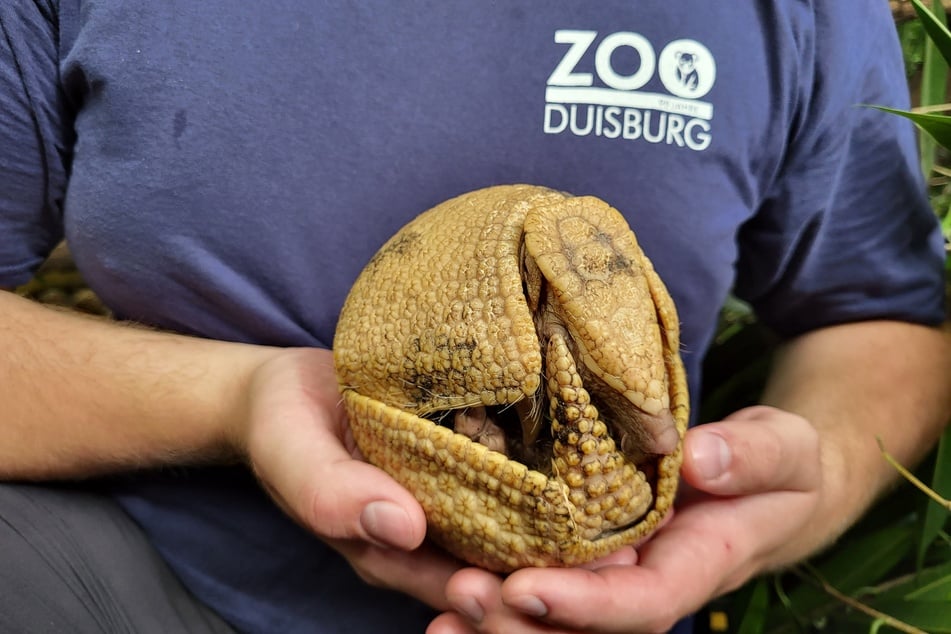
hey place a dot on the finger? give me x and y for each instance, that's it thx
(450, 623)
(757, 449)
(592, 600)
(708, 549)
(472, 592)
(296, 438)
(299, 455)
(422, 573)
(476, 598)
(626, 556)
(638, 598)
(365, 515)
(342, 498)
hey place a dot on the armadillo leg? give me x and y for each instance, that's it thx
(606, 490)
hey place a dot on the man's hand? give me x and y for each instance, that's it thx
(740, 476)
(300, 447)
(200, 401)
(794, 476)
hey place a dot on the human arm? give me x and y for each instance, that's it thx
(799, 472)
(80, 397)
(85, 396)
(891, 381)
(74, 386)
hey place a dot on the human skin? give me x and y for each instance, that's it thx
(788, 479)
(72, 384)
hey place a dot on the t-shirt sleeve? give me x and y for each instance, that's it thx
(845, 231)
(34, 144)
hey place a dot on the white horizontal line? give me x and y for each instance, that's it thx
(629, 99)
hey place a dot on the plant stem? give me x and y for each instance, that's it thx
(908, 475)
(861, 607)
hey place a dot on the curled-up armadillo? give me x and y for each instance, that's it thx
(511, 357)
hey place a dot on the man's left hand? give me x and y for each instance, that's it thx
(751, 484)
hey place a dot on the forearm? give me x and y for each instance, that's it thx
(83, 396)
(854, 383)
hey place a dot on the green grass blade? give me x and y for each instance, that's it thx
(856, 563)
(934, 73)
(912, 37)
(935, 515)
(930, 584)
(934, 24)
(932, 616)
(937, 590)
(936, 125)
(753, 615)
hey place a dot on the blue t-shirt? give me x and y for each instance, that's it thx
(225, 169)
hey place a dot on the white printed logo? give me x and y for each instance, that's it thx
(618, 108)
(687, 69)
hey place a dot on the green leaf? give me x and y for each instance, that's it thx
(930, 584)
(931, 616)
(935, 515)
(934, 57)
(912, 37)
(937, 590)
(853, 565)
(934, 71)
(937, 125)
(935, 28)
(753, 619)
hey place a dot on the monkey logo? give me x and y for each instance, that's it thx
(687, 73)
(687, 69)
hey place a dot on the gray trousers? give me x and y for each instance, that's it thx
(73, 561)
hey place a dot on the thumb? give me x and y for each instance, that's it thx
(349, 499)
(298, 453)
(338, 497)
(754, 450)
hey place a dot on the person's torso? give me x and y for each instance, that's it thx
(237, 164)
(235, 168)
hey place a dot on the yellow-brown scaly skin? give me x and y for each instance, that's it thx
(505, 294)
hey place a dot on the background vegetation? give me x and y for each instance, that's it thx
(892, 571)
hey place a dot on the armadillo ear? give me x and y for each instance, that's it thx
(532, 279)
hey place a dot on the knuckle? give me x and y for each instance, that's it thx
(369, 576)
(786, 453)
(760, 457)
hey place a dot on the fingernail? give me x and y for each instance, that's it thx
(529, 605)
(710, 454)
(388, 525)
(469, 608)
